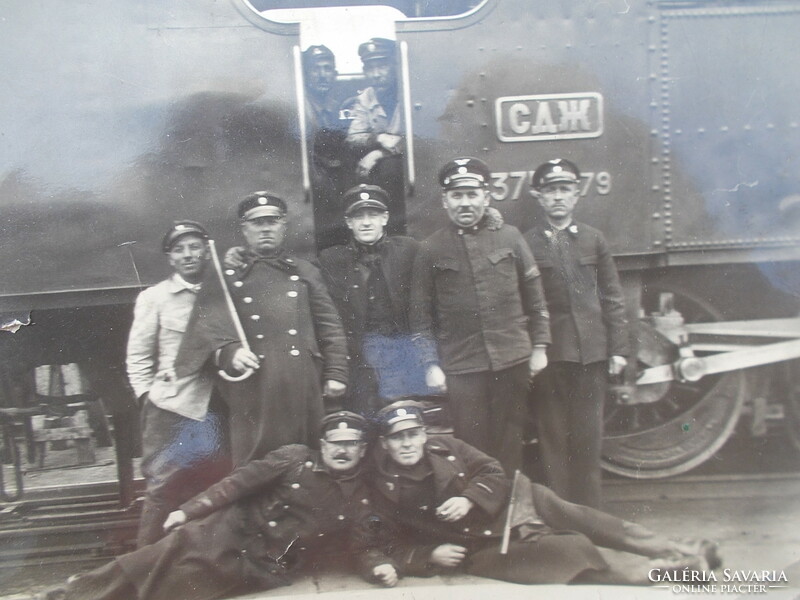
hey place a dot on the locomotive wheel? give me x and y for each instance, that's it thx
(683, 424)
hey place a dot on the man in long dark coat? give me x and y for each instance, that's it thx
(249, 530)
(297, 348)
(589, 331)
(441, 505)
(369, 280)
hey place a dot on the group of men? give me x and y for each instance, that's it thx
(354, 139)
(253, 355)
(468, 312)
(421, 507)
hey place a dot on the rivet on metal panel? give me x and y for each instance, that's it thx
(657, 243)
(418, 106)
(484, 100)
(651, 19)
(485, 149)
(655, 188)
(470, 102)
(567, 45)
(701, 130)
(654, 132)
(793, 124)
(652, 48)
(748, 127)
(656, 215)
(482, 74)
(724, 128)
(770, 126)
(653, 76)
(678, 131)
(654, 160)
(654, 104)
(484, 124)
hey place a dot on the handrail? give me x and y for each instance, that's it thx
(404, 73)
(300, 97)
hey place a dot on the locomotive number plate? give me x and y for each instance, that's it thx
(549, 117)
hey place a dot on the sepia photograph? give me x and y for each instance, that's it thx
(399, 299)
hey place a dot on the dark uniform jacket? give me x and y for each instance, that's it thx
(292, 325)
(477, 292)
(405, 536)
(249, 527)
(584, 295)
(458, 470)
(347, 283)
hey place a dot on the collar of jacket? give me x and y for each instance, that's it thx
(177, 284)
(443, 465)
(550, 231)
(280, 261)
(375, 248)
(492, 220)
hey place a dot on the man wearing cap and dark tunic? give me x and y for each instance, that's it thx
(250, 531)
(184, 448)
(376, 129)
(297, 348)
(439, 505)
(326, 135)
(590, 336)
(370, 282)
(478, 315)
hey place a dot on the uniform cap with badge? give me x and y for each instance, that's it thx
(399, 416)
(314, 54)
(377, 48)
(261, 204)
(365, 196)
(343, 426)
(180, 229)
(558, 170)
(464, 172)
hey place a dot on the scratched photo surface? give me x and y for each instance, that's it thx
(121, 118)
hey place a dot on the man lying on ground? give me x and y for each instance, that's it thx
(442, 506)
(250, 530)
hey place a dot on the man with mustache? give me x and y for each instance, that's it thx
(297, 349)
(590, 335)
(183, 431)
(251, 530)
(476, 294)
(441, 506)
(370, 282)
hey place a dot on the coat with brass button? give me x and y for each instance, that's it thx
(550, 543)
(293, 327)
(250, 528)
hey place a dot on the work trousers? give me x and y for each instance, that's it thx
(488, 410)
(181, 457)
(569, 401)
